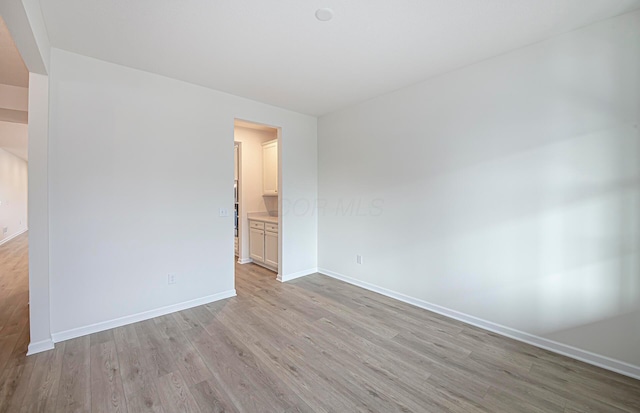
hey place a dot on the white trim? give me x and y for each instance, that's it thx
(244, 260)
(146, 315)
(4, 241)
(289, 277)
(40, 346)
(560, 348)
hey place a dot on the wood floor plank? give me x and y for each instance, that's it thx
(211, 399)
(288, 361)
(18, 317)
(136, 372)
(366, 388)
(101, 337)
(225, 376)
(583, 390)
(14, 385)
(155, 348)
(381, 308)
(230, 361)
(175, 394)
(138, 383)
(75, 380)
(518, 384)
(7, 344)
(144, 402)
(503, 401)
(42, 392)
(186, 320)
(133, 369)
(383, 375)
(187, 360)
(107, 393)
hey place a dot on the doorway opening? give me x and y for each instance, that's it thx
(257, 198)
(14, 265)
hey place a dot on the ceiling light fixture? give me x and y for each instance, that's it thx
(324, 14)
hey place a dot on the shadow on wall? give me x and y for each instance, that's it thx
(545, 240)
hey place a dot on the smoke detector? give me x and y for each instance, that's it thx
(324, 14)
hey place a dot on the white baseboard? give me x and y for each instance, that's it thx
(118, 322)
(40, 346)
(244, 260)
(564, 349)
(4, 241)
(289, 277)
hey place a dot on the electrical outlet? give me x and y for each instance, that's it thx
(172, 278)
(224, 212)
(5, 230)
(359, 259)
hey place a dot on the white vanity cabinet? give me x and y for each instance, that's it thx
(270, 168)
(256, 241)
(263, 243)
(271, 245)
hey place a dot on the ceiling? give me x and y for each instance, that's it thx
(239, 123)
(12, 69)
(277, 52)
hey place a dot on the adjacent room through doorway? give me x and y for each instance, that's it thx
(256, 198)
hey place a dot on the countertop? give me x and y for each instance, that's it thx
(262, 217)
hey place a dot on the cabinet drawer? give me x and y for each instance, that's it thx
(271, 227)
(256, 224)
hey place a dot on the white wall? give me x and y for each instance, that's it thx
(251, 180)
(13, 195)
(14, 97)
(507, 190)
(139, 166)
(39, 293)
(14, 102)
(14, 138)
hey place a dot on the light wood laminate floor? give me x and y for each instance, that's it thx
(311, 345)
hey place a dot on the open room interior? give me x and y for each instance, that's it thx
(436, 206)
